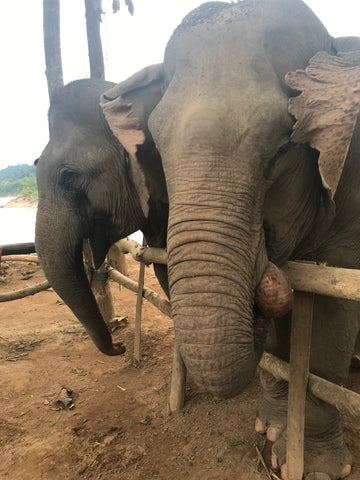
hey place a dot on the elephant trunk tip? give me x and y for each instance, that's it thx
(222, 370)
(274, 296)
(117, 348)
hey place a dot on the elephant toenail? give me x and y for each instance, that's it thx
(259, 426)
(274, 461)
(284, 473)
(273, 433)
(345, 471)
(317, 476)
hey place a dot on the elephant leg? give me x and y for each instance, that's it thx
(272, 409)
(355, 361)
(271, 415)
(335, 329)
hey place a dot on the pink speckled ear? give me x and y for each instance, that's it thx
(126, 108)
(326, 111)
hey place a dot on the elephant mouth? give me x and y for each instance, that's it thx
(273, 299)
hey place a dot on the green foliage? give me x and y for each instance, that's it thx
(29, 188)
(12, 180)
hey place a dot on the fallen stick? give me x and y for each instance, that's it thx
(342, 398)
(153, 297)
(20, 258)
(25, 292)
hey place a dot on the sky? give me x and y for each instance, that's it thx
(129, 44)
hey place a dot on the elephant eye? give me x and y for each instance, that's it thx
(70, 180)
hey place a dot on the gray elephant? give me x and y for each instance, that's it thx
(91, 187)
(246, 186)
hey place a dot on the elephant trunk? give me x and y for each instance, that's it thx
(216, 259)
(59, 240)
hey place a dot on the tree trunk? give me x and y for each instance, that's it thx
(51, 27)
(93, 19)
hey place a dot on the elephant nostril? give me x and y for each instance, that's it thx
(274, 295)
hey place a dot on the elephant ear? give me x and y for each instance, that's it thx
(126, 108)
(327, 109)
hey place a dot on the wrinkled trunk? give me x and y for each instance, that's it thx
(215, 158)
(216, 258)
(59, 239)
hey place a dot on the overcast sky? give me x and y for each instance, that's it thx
(129, 44)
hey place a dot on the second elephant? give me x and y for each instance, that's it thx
(90, 186)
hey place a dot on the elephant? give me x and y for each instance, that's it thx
(90, 187)
(256, 124)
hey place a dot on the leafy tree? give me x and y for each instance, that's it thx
(29, 188)
(12, 177)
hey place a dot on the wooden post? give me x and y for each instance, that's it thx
(139, 301)
(299, 373)
(178, 381)
(117, 259)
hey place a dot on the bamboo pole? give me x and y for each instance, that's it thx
(139, 302)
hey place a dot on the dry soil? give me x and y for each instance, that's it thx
(117, 424)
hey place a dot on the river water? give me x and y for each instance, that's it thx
(17, 225)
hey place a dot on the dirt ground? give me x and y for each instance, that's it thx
(117, 425)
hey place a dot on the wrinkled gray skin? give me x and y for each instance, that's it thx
(240, 193)
(87, 190)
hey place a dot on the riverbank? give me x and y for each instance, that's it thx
(21, 202)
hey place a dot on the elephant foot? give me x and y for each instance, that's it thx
(272, 409)
(322, 460)
(326, 456)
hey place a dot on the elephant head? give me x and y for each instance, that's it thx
(241, 192)
(91, 187)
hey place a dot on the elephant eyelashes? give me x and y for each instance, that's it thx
(70, 180)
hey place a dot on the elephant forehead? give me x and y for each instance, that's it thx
(232, 36)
